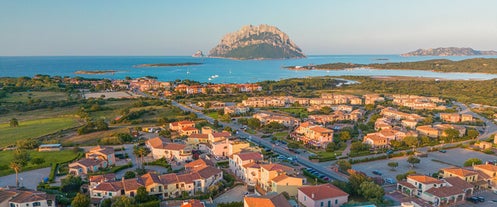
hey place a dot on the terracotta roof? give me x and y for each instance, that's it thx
(424, 179)
(199, 136)
(488, 167)
(189, 178)
(150, 178)
(221, 134)
(251, 165)
(407, 184)
(103, 150)
(266, 201)
(174, 146)
(276, 167)
(110, 186)
(102, 178)
(324, 191)
(455, 181)
(280, 178)
(192, 203)
(89, 162)
(6, 194)
(156, 142)
(459, 171)
(132, 184)
(321, 129)
(208, 172)
(186, 122)
(250, 156)
(196, 165)
(31, 196)
(442, 192)
(189, 128)
(170, 178)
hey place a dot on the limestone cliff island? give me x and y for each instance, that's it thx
(257, 42)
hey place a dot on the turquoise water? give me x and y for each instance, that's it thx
(227, 71)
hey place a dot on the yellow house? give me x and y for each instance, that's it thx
(285, 183)
(464, 174)
(269, 172)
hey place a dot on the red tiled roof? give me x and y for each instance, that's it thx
(189, 178)
(132, 184)
(89, 162)
(267, 201)
(189, 128)
(170, 178)
(208, 172)
(102, 178)
(324, 191)
(192, 203)
(488, 167)
(276, 167)
(199, 136)
(424, 179)
(221, 134)
(460, 171)
(250, 156)
(31, 196)
(110, 186)
(174, 146)
(149, 179)
(196, 165)
(156, 142)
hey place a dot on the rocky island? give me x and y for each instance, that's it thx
(448, 51)
(257, 42)
(165, 64)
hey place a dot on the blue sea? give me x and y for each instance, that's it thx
(214, 69)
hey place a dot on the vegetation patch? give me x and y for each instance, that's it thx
(46, 157)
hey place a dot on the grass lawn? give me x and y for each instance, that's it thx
(42, 95)
(280, 135)
(39, 114)
(213, 114)
(33, 129)
(92, 138)
(50, 157)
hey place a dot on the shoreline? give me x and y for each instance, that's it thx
(155, 65)
(95, 72)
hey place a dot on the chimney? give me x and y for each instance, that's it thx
(312, 195)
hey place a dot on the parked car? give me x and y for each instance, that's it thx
(376, 172)
(443, 151)
(390, 180)
(472, 199)
(481, 199)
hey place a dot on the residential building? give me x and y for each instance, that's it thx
(285, 183)
(322, 195)
(244, 166)
(237, 146)
(271, 171)
(428, 130)
(49, 147)
(273, 200)
(236, 110)
(266, 118)
(22, 198)
(171, 151)
(84, 166)
(184, 127)
(313, 135)
(102, 153)
(456, 117)
(446, 191)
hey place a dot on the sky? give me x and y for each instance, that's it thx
(170, 28)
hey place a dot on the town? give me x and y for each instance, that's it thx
(143, 142)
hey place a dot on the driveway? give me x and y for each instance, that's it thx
(233, 195)
(28, 179)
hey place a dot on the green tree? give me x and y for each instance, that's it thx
(472, 161)
(372, 191)
(123, 201)
(413, 160)
(396, 143)
(106, 203)
(472, 133)
(71, 183)
(254, 123)
(330, 147)
(355, 181)
(129, 174)
(411, 141)
(81, 200)
(451, 134)
(141, 152)
(343, 165)
(22, 157)
(16, 166)
(393, 165)
(142, 195)
(14, 122)
(165, 133)
(344, 135)
(38, 161)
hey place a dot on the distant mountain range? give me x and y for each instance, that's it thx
(257, 42)
(448, 51)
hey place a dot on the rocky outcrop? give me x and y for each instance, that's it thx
(257, 42)
(448, 51)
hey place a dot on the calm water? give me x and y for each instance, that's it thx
(233, 71)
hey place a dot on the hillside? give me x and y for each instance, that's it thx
(448, 51)
(257, 42)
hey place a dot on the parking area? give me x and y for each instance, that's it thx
(428, 165)
(490, 200)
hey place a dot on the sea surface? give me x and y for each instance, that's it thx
(214, 69)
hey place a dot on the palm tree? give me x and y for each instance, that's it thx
(141, 152)
(16, 166)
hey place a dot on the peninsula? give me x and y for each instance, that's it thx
(166, 64)
(448, 51)
(94, 72)
(474, 65)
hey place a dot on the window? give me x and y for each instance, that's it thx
(110, 193)
(322, 203)
(336, 201)
(99, 194)
(305, 198)
(12, 205)
(36, 204)
(329, 203)
(49, 202)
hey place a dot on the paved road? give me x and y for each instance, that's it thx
(490, 127)
(235, 194)
(262, 142)
(28, 179)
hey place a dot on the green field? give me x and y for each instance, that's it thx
(49, 157)
(33, 128)
(44, 96)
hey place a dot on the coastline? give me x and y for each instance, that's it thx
(94, 72)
